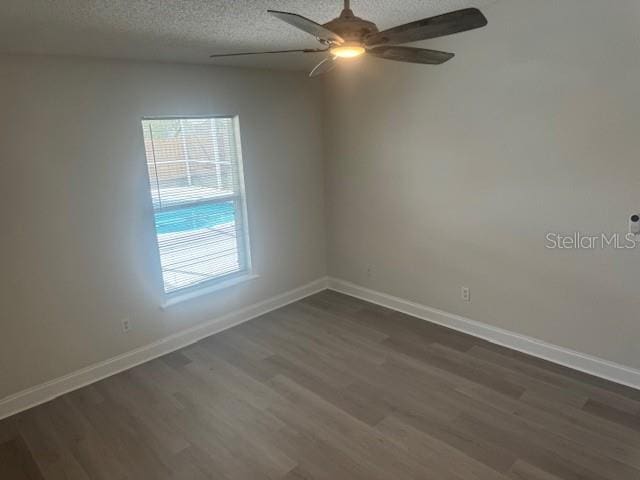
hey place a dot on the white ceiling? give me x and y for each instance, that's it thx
(188, 30)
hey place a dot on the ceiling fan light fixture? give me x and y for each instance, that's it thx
(347, 50)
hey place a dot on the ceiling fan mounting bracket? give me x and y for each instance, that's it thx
(350, 27)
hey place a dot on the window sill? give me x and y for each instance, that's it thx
(183, 297)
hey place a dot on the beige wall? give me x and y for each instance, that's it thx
(77, 241)
(450, 176)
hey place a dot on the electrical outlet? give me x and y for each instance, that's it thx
(126, 325)
(466, 294)
(369, 271)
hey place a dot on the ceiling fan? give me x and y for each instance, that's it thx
(349, 36)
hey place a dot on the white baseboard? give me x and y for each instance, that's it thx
(47, 391)
(578, 361)
(563, 356)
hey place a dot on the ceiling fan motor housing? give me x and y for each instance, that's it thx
(350, 27)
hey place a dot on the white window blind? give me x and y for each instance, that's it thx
(195, 173)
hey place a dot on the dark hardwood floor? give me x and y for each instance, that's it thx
(333, 388)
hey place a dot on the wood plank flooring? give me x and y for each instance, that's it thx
(333, 388)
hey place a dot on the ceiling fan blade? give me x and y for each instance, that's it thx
(447, 24)
(411, 55)
(303, 50)
(324, 66)
(309, 26)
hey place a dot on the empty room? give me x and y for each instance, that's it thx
(320, 240)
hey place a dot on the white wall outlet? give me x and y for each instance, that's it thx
(465, 293)
(126, 325)
(370, 271)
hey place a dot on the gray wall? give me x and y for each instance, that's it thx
(435, 177)
(77, 243)
(450, 176)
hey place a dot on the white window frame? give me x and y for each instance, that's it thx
(240, 199)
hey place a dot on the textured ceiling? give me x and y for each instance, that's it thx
(188, 30)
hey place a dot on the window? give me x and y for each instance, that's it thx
(195, 173)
